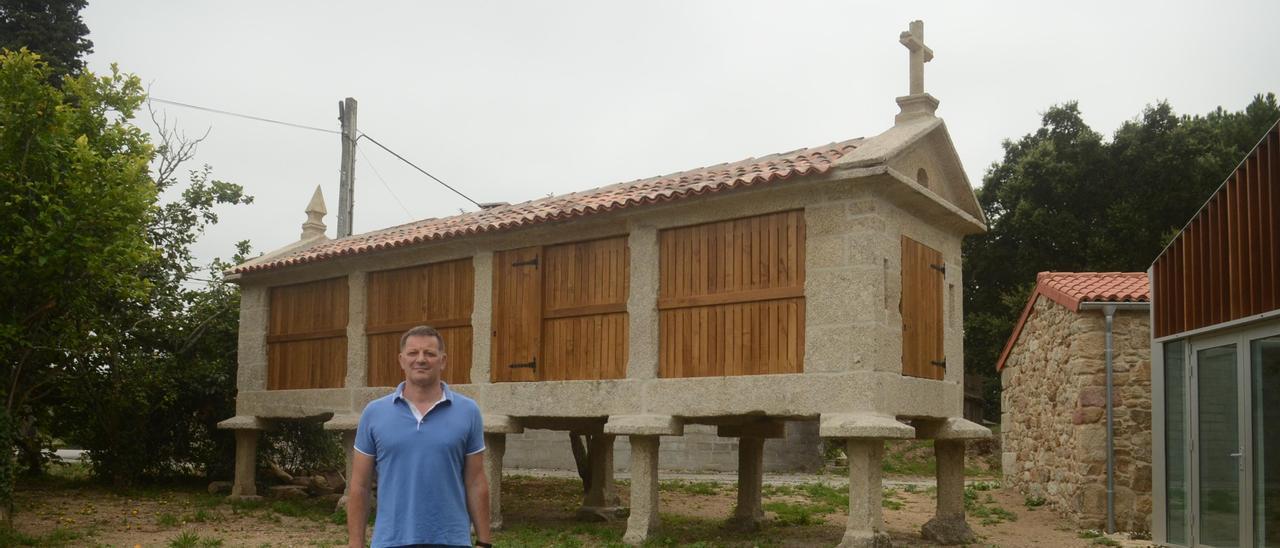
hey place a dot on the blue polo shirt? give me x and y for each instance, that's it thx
(421, 495)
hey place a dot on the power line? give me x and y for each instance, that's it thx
(384, 183)
(364, 135)
(246, 116)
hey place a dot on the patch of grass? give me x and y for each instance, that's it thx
(203, 516)
(1034, 502)
(191, 540)
(56, 537)
(167, 520)
(690, 487)
(1104, 541)
(797, 513)
(1089, 533)
(888, 500)
(982, 505)
(909, 458)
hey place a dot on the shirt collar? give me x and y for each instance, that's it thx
(446, 395)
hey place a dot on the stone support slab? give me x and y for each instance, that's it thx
(749, 512)
(866, 527)
(644, 425)
(501, 424)
(495, 447)
(948, 526)
(644, 489)
(863, 425)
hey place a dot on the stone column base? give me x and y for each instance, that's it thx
(948, 530)
(865, 539)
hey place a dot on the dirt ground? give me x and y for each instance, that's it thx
(538, 511)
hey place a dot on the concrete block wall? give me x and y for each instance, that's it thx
(698, 450)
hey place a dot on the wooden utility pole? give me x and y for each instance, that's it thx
(347, 184)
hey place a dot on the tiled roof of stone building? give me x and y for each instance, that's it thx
(685, 184)
(1071, 289)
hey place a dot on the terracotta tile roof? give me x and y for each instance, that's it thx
(1071, 289)
(686, 184)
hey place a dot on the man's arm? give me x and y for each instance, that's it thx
(477, 495)
(358, 498)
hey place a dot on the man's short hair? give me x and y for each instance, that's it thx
(422, 331)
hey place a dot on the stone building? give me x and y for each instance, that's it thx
(1054, 375)
(819, 285)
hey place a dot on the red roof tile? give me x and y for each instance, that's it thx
(1071, 289)
(752, 171)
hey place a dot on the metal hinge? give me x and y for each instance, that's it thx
(530, 262)
(528, 365)
(939, 363)
(940, 268)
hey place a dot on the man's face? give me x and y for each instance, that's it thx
(422, 361)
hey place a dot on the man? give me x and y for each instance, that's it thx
(426, 443)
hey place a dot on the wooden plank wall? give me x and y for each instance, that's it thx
(921, 307)
(584, 312)
(731, 297)
(439, 295)
(1225, 265)
(307, 335)
(517, 314)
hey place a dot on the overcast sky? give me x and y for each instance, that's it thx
(510, 101)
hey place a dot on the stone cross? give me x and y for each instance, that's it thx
(920, 54)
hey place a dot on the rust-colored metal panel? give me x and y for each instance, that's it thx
(307, 335)
(439, 295)
(584, 303)
(1225, 264)
(517, 315)
(921, 306)
(731, 297)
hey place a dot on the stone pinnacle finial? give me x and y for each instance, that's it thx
(314, 227)
(916, 103)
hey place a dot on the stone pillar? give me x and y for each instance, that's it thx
(866, 525)
(495, 447)
(244, 487)
(749, 512)
(496, 428)
(642, 307)
(644, 490)
(948, 526)
(357, 343)
(345, 424)
(644, 431)
(246, 429)
(600, 502)
(864, 434)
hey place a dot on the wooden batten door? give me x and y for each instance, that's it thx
(584, 311)
(731, 297)
(439, 295)
(923, 275)
(307, 335)
(517, 315)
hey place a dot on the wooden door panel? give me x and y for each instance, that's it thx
(517, 314)
(439, 295)
(921, 306)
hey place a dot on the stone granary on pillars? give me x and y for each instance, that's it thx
(1080, 336)
(821, 284)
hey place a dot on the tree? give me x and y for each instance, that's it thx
(51, 28)
(73, 230)
(1065, 199)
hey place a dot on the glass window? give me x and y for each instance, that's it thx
(1175, 442)
(1265, 354)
